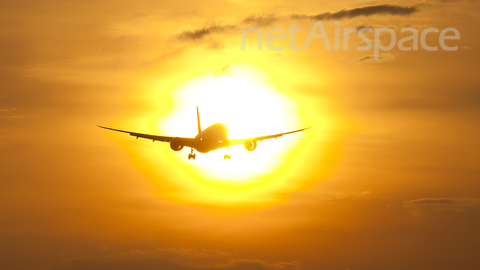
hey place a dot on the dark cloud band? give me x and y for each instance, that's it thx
(200, 33)
(362, 11)
(261, 20)
(267, 19)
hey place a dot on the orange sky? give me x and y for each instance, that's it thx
(386, 178)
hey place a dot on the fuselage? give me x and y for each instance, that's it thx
(212, 138)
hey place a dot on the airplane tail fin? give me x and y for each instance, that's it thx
(198, 121)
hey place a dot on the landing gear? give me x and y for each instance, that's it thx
(192, 155)
(227, 155)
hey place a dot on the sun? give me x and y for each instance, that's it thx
(249, 106)
(251, 103)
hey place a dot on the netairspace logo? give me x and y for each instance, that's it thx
(445, 34)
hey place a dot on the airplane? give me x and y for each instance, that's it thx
(212, 138)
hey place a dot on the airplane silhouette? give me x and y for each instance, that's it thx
(212, 138)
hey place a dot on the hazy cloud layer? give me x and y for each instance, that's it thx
(256, 264)
(202, 32)
(266, 19)
(183, 252)
(420, 206)
(384, 57)
(261, 20)
(12, 116)
(151, 263)
(223, 70)
(362, 11)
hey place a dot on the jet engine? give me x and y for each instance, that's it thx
(175, 145)
(250, 145)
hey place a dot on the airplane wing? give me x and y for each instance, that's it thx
(261, 138)
(188, 142)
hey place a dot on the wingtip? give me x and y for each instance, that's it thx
(304, 129)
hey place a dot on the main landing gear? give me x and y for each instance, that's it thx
(192, 155)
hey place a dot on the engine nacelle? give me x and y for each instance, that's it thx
(250, 145)
(175, 145)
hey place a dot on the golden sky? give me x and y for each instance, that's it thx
(386, 178)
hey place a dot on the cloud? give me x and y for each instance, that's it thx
(15, 116)
(365, 58)
(202, 32)
(443, 98)
(266, 19)
(176, 258)
(444, 202)
(365, 193)
(420, 206)
(140, 13)
(373, 26)
(175, 264)
(252, 19)
(223, 70)
(260, 20)
(192, 253)
(19, 116)
(385, 57)
(214, 44)
(362, 11)
(240, 264)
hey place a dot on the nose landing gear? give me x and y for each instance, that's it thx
(192, 155)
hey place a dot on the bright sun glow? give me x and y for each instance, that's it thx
(250, 103)
(249, 106)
